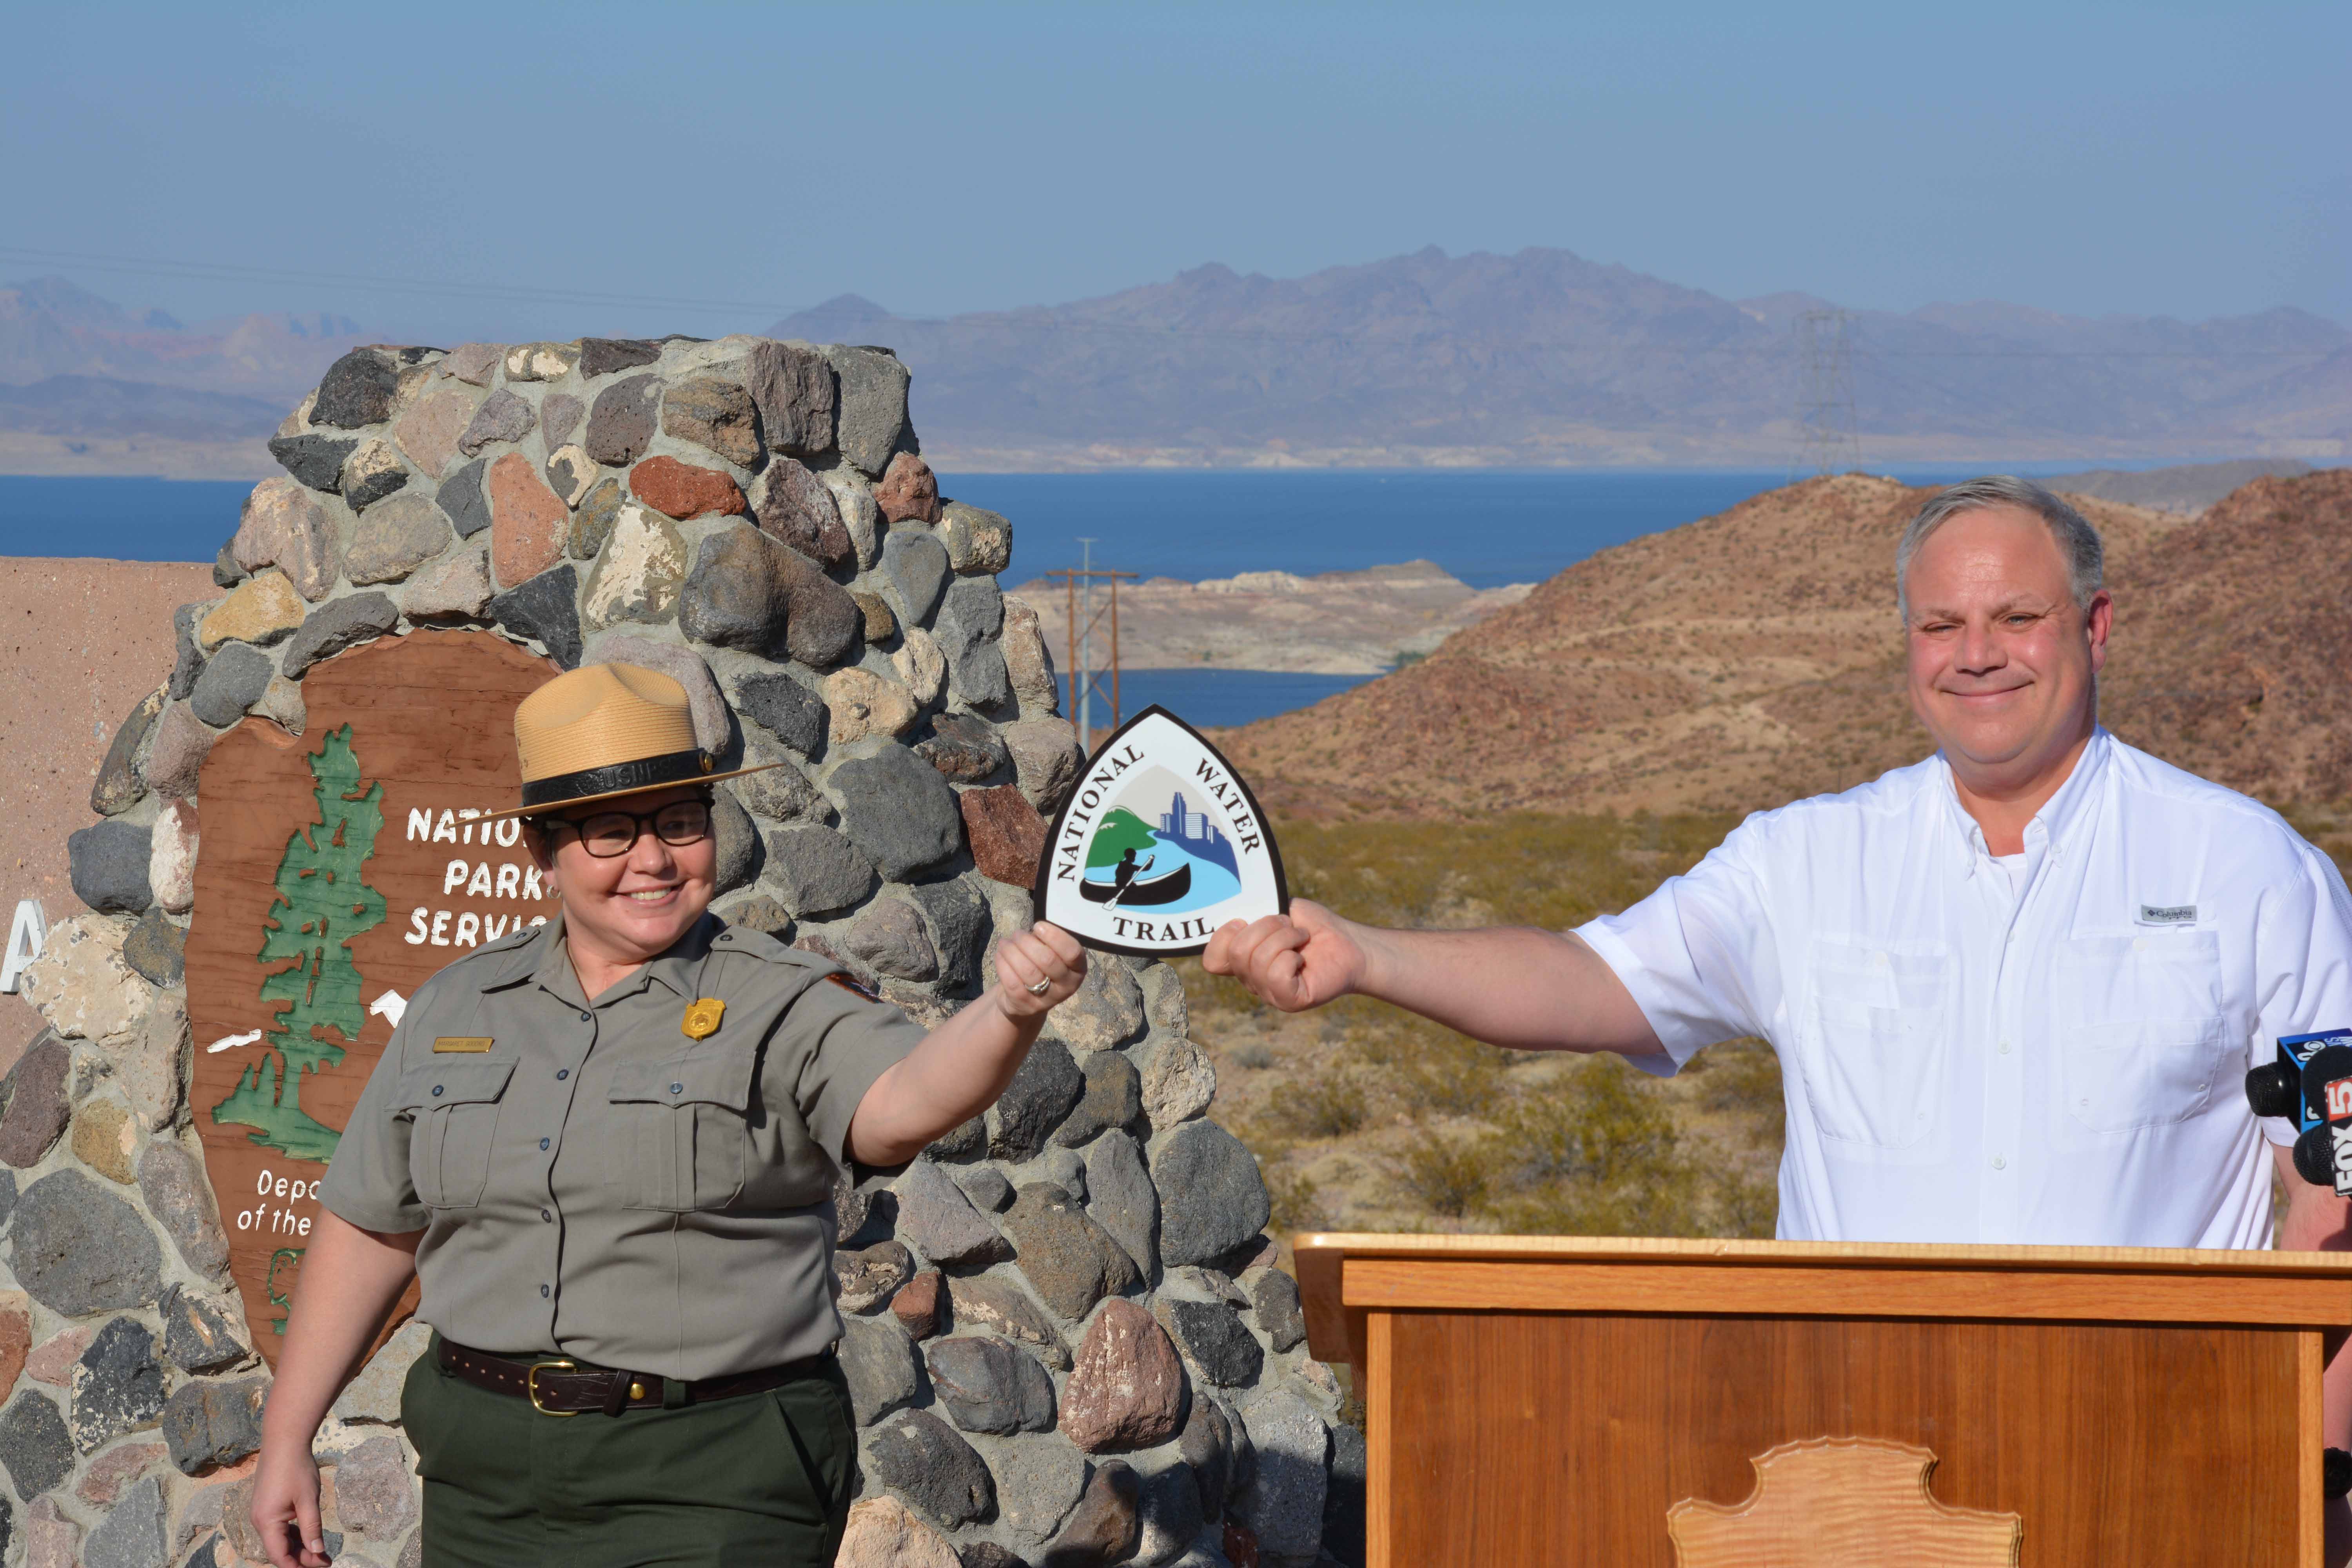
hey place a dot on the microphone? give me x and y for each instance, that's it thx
(2311, 1082)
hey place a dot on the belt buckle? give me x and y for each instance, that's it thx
(530, 1384)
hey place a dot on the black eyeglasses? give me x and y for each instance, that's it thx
(608, 835)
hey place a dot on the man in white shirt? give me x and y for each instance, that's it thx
(2014, 988)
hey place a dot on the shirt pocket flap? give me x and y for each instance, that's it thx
(452, 1083)
(2151, 1033)
(1847, 978)
(700, 1077)
(2153, 978)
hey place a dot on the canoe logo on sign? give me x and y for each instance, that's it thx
(1159, 844)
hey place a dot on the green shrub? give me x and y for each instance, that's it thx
(1595, 1123)
(1447, 1177)
(1329, 1103)
(1437, 1070)
(1743, 1077)
(1666, 1204)
(1298, 1206)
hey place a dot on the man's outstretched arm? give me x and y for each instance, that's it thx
(1508, 985)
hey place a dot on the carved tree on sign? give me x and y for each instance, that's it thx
(1842, 1503)
(320, 904)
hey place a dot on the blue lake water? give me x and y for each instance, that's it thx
(1487, 527)
(1210, 883)
(1213, 698)
(119, 519)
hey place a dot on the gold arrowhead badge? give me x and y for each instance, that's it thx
(702, 1017)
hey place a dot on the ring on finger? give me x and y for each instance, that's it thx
(1041, 988)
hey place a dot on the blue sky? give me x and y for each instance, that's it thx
(733, 159)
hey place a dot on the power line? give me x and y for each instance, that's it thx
(231, 273)
(1085, 677)
(1825, 417)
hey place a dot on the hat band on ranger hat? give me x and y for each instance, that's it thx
(618, 778)
(605, 730)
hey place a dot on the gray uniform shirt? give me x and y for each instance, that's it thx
(595, 1181)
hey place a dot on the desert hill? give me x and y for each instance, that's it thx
(1754, 656)
(2191, 487)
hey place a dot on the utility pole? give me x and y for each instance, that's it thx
(1086, 680)
(1827, 428)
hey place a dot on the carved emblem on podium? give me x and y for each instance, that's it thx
(1842, 1503)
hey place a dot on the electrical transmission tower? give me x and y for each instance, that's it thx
(1085, 619)
(1826, 417)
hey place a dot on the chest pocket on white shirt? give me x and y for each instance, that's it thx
(1880, 1026)
(2142, 1035)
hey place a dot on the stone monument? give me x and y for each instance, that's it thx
(1067, 1341)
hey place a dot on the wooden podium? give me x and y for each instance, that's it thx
(1743, 1404)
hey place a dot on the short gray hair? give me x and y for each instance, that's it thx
(2078, 540)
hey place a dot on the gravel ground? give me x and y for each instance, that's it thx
(84, 641)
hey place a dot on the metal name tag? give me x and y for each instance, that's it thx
(470, 1043)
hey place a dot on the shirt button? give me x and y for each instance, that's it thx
(542, 1142)
(542, 1292)
(547, 1216)
(563, 1073)
(436, 1091)
(2004, 1048)
(678, 1088)
(583, 1018)
(2000, 1163)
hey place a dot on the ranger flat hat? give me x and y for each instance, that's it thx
(604, 731)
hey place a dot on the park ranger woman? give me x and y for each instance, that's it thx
(606, 1149)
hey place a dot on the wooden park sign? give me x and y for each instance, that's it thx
(336, 871)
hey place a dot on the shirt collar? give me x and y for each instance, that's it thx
(520, 963)
(2055, 825)
(680, 967)
(545, 960)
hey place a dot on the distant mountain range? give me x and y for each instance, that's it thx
(50, 327)
(1544, 357)
(88, 387)
(1535, 359)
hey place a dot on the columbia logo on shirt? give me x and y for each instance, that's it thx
(2168, 914)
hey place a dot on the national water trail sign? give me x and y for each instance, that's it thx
(336, 871)
(1160, 844)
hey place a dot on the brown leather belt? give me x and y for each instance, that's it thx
(557, 1385)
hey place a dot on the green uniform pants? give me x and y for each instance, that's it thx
(763, 1478)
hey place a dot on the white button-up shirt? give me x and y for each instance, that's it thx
(1968, 1060)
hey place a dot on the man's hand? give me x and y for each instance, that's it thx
(1046, 954)
(1293, 961)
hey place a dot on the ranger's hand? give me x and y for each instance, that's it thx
(1038, 970)
(1293, 961)
(285, 1511)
